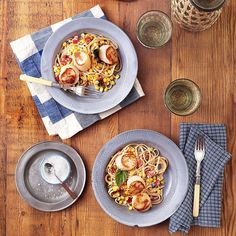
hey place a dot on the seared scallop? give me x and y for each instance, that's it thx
(141, 202)
(108, 54)
(135, 185)
(69, 75)
(126, 162)
(82, 61)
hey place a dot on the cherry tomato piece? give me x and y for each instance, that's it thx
(112, 170)
(139, 162)
(150, 174)
(75, 40)
(129, 200)
(87, 39)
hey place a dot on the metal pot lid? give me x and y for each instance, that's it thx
(39, 193)
(208, 5)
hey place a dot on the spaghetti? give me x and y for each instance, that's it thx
(88, 59)
(135, 177)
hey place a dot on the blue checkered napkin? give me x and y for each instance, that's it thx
(212, 170)
(56, 118)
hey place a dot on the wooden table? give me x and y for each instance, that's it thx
(208, 58)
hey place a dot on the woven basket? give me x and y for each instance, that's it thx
(192, 19)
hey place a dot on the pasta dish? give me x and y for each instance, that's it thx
(88, 60)
(135, 177)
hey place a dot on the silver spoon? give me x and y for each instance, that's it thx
(51, 169)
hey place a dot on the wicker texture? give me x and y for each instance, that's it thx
(192, 19)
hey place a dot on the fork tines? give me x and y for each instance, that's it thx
(91, 92)
(199, 145)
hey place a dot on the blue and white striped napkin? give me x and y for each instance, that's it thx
(57, 119)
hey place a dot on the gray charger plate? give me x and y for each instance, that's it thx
(35, 190)
(128, 73)
(176, 179)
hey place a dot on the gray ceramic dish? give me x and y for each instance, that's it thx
(176, 179)
(35, 190)
(127, 76)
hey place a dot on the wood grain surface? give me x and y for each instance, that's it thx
(208, 58)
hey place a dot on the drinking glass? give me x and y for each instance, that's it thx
(154, 29)
(208, 5)
(182, 97)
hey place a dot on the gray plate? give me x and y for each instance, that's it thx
(128, 74)
(176, 179)
(35, 190)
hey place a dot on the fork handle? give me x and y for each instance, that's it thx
(196, 200)
(36, 80)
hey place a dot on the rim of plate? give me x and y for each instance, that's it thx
(96, 24)
(181, 194)
(21, 187)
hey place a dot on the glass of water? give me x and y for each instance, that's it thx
(154, 29)
(182, 97)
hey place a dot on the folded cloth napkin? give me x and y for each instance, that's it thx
(56, 118)
(212, 169)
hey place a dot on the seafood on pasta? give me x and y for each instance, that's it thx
(135, 177)
(88, 60)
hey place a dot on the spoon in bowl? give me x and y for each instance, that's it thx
(50, 169)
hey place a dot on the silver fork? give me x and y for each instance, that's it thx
(199, 156)
(78, 90)
(82, 91)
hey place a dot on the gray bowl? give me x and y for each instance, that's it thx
(176, 179)
(39, 193)
(128, 74)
